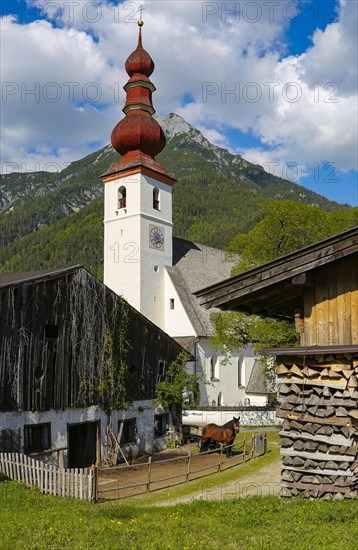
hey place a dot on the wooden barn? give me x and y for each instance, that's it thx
(78, 367)
(317, 287)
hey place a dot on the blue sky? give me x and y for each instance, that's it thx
(301, 52)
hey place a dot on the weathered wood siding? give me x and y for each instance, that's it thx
(331, 306)
(53, 335)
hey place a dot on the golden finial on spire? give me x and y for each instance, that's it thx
(140, 22)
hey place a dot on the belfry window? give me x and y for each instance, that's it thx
(122, 197)
(156, 198)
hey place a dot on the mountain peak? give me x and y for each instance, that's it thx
(174, 125)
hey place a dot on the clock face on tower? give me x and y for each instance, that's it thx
(156, 237)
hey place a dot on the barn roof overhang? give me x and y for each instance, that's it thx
(277, 288)
(311, 350)
(17, 279)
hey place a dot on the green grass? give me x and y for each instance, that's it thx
(34, 521)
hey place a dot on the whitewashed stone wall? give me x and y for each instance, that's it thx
(250, 416)
(143, 411)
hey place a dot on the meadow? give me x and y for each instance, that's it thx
(34, 521)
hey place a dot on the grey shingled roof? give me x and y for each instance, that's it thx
(186, 342)
(257, 382)
(194, 267)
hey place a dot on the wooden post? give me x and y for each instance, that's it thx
(18, 467)
(244, 451)
(76, 483)
(252, 445)
(189, 464)
(149, 473)
(94, 483)
(42, 477)
(220, 457)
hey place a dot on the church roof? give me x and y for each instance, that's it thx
(257, 383)
(194, 267)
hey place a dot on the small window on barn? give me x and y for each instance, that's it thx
(51, 331)
(156, 203)
(38, 372)
(122, 197)
(129, 432)
(37, 437)
(171, 303)
(161, 424)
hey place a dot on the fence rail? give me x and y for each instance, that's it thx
(98, 484)
(123, 481)
(75, 483)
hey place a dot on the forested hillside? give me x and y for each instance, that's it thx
(55, 219)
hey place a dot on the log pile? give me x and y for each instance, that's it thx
(318, 398)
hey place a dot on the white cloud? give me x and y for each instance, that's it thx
(221, 60)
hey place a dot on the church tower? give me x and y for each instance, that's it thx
(138, 198)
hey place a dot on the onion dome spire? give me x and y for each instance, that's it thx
(138, 137)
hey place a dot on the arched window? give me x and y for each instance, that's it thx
(156, 198)
(240, 371)
(122, 197)
(220, 399)
(214, 370)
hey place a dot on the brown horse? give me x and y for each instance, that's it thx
(221, 434)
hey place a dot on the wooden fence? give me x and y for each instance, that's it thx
(76, 483)
(123, 481)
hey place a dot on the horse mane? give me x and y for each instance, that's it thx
(228, 424)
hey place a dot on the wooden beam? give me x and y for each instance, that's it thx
(305, 280)
(277, 271)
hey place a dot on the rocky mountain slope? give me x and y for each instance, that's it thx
(217, 195)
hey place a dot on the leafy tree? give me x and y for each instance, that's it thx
(174, 390)
(287, 227)
(234, 331)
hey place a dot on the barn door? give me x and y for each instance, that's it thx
(82, 444)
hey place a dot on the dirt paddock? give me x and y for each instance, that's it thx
(167, 468)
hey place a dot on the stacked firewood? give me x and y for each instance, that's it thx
(318, 398)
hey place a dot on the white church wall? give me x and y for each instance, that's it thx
(177, 323)
(153, 261)
(122, 240)
(224, 389)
